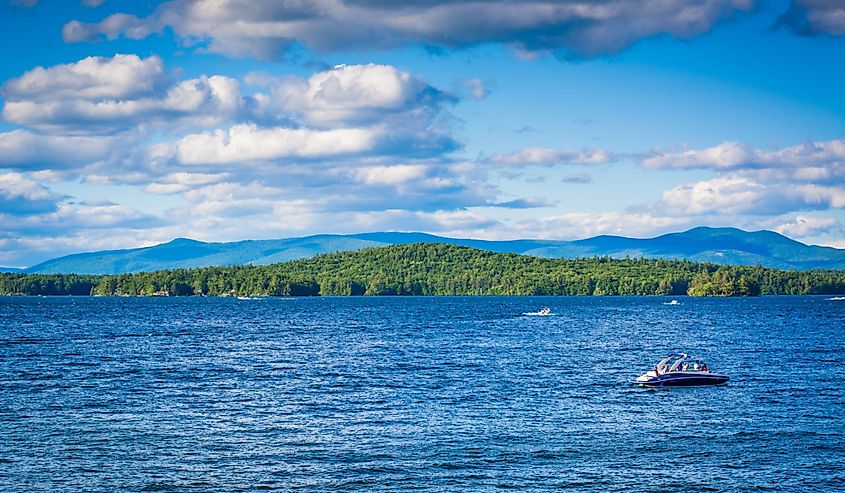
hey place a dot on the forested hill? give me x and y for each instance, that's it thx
(440, 269)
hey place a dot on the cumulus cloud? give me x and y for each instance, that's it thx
(183, 181)
(542, 156)
(247, 142)
(24, 150)
(808, 176)
(112, 27)
(342, 110)
(390, 175)
(267, 29)
(119, 77)
(105, 95)
(351, 94)
(21, 196)
(729, 195)
(734, 155)
(808, 226)
(410, 115)
(812, 17)
(735, 194)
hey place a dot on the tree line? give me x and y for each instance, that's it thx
(440, 269)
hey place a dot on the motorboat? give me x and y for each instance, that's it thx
(543, 312)
(680, 370)
(673, 302)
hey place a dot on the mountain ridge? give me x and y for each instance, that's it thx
(730, 246)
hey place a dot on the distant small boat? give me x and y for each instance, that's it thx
(836, 298)
(249, 298)
(680, 370)
(673, 302)
(542, 312)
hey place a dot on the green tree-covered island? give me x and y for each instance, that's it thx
(439, 269)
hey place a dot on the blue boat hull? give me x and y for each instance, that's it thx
(684, 380)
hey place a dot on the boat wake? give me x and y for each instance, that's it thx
(836, 298)
(538, 314)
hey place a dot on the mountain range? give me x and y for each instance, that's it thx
(719, 245)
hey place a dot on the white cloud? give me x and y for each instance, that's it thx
(543, 156)
(183, 181)
(808, 176)
(346, 92)
(734, 155)
(730, 195)
(204, 101)
(20, 149)
(723, 156)
(247, 142)
(112, 27)
(20, 195)
(736, 194)
(808, 226)
(340, 111)
(119, 77)
(390, 175)
(267, 29)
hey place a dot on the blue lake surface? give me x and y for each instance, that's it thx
(427, 394)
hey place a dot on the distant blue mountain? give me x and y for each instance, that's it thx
(719, 245)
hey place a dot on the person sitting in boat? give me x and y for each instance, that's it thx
(545, 310)
(656, 371)
(704, 367)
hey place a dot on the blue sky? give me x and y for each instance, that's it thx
(127, 124)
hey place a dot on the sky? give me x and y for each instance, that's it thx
(131, 123)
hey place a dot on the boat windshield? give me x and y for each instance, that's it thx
(680, 362)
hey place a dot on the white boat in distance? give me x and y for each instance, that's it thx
(680, 370)
(543, 312)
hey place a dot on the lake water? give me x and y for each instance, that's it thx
(430, 394)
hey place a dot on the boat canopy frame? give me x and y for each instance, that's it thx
(675, 362)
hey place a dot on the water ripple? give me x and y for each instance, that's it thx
(417, 394)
